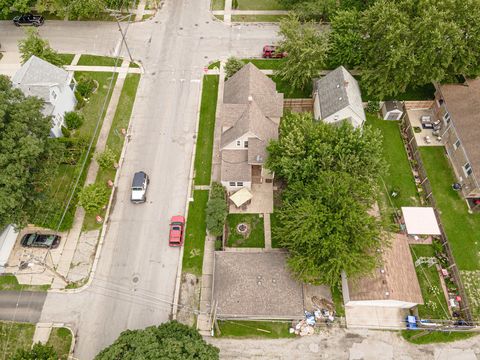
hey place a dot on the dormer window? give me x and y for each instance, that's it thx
(239, 143)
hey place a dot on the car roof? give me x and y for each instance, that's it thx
(138, 178)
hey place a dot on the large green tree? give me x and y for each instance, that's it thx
(10, 6)
(326, 228)
(27, 155)
(307, 48)
(33, 44)
(306, 147)
(169, 341)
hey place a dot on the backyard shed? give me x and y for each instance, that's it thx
(392, 110)
(420, 221)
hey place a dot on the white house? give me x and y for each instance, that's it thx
(54, 85)
(250, 116)
(337, 97)
(384, 299)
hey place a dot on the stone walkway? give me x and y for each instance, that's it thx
(73, 236)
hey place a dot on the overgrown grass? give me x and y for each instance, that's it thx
(428, 337)
(435, 304)
(10, 283)
(399, 178)
(218, 5)
(260, 5)
(255, 236)
(254, 329)
(290, 92)
(115, 138)
(14, 336)
(204, 147)
(66, 58)
(56, 195)
(337, 298)
(461, 227)
(265, 64)
(61, 340)
(195, 233)
(257, 18)
(94, 60)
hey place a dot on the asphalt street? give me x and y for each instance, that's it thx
(133, 285)
(25, 306)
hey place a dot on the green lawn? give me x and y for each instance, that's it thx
(255, 237)
(94, 60)
(461, 227)
(254, 329)
(213, 65)
(67, 58)
(274, 224)
(399, 177)
(414, 337)
(10, 282)
(115, 138)
(218, 4)
(195, 233)
(337, 298)
(265, 64)
(289, 92)
(14, 336)
(204, 148)
(435, 305)
(259, 5)
(61, 340)
(257, 18)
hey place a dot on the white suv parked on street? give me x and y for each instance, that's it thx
(139, 187)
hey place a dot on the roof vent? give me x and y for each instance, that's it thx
(382, 271)
(387, 293)
(338, 86)
(250, 98)
(345, 83)
(340, 98)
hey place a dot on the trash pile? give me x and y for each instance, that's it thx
(325, 314)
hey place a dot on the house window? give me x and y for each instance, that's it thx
(467, 169)
(446, 118)
(239, 143)
(456, 145)
(245, 144)
(239, 183)
(231, 183)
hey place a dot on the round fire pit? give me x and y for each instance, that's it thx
(242, 228)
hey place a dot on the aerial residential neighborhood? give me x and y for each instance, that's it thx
(218, 179)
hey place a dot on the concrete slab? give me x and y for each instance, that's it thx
(376, 317)
(261, 203)
(256, 285)
(420, 137)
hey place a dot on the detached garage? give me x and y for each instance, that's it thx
(383, 299)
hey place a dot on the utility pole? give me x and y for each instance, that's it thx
(119, 18)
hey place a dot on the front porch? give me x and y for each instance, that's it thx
(260, 203)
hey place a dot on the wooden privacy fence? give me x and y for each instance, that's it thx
(414, 154)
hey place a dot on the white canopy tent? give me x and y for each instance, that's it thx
(420, 221)
(241, 197)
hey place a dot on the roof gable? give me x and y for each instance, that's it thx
(39, 72)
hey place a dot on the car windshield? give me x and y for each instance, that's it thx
(178, 228)
(137, 189)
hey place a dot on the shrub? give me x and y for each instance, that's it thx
(85, 86)
(65, 132)
(80, 100)
(73, 120)
(373, 107)
(106, 159)
(232, 66)
(216, 210)
(73, 149)
(93, 197)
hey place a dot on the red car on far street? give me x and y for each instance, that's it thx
(177, 225)
(269, 52)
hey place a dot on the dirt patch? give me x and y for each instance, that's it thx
(189, 299)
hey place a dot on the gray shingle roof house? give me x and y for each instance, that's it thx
(54, 85)
(337, 97)
(250, 115)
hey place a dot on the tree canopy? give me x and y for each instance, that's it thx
(26, 153)
(168, 341)
(307, 49)
(33, 44)
(332, 175)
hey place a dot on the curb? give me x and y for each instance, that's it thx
(176, 294)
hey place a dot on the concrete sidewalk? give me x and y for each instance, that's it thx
(42, 333)
(73, 236)
(251, 12)
(121, 70)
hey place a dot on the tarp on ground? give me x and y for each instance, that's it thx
(420, 221)
(241, 197)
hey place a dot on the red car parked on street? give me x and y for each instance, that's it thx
(270, 53)
(177, 225)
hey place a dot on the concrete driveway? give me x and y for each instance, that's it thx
(133, 285)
